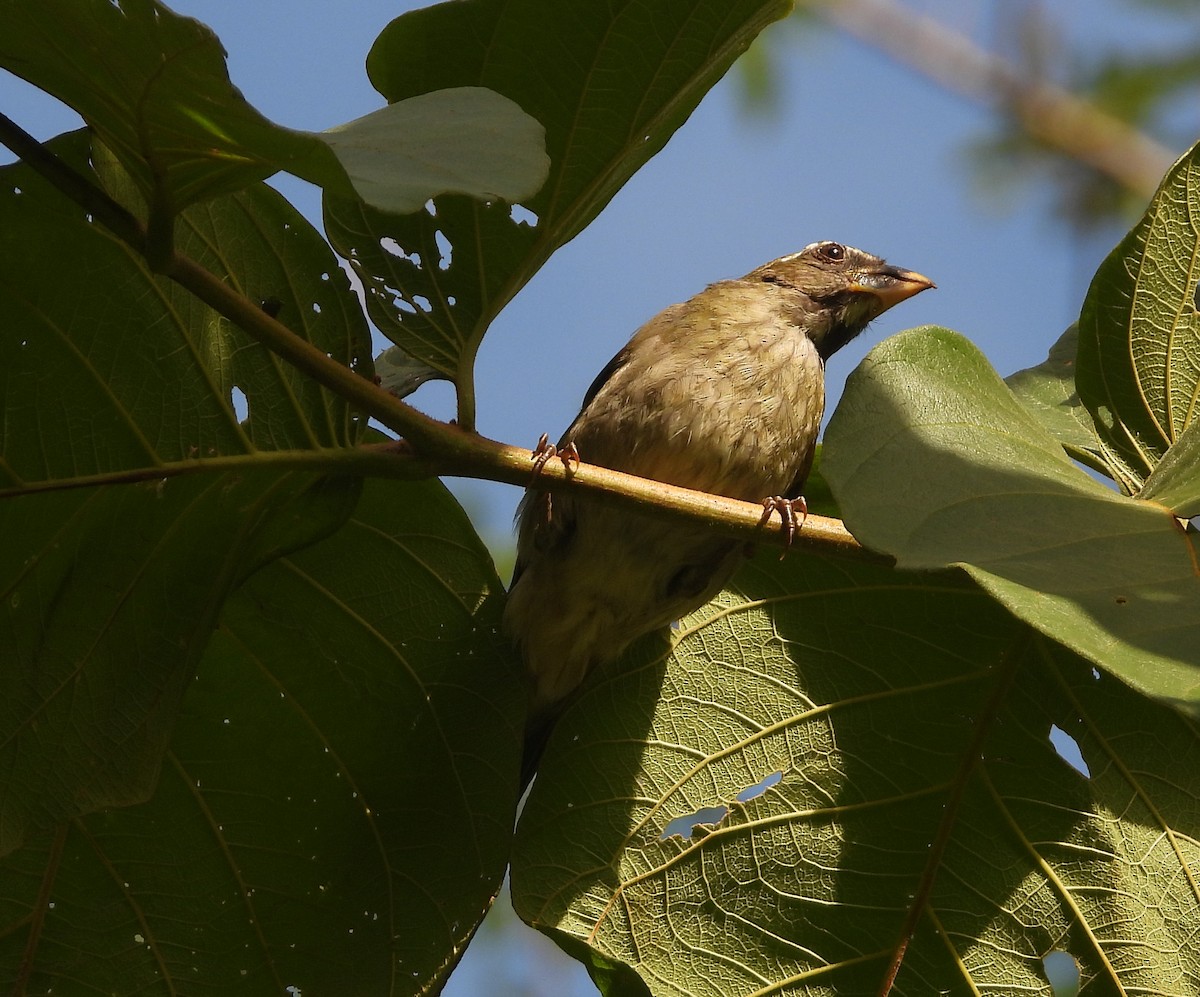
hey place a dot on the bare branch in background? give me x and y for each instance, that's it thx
(1054, 116)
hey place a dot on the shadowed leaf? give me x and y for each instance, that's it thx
(110, 591)
(334, 812)
(155, 87)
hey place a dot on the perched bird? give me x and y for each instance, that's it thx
(723, 393)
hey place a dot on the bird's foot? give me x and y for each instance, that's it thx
(545, 451)
(787, 509)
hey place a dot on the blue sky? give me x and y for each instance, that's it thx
(858, 149)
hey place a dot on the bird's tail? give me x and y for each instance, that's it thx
(537, 733)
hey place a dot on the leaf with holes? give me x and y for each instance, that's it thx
(610, 85)
(935, 462)
(464, 140)
(335, 810)
(155, 88)
(115, 376)
(840, 780)
(1139, 331)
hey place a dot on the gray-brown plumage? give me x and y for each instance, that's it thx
(723, 393)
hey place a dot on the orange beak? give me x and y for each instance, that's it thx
(891, 285)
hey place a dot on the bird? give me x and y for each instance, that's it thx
(722, 393)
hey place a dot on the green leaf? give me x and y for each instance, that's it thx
(1175, 480)
(109, 597)
(465, 140)
(155, 88)
(115, 371)
(1048, 391)
(109, 591)
(935, 462)
(610, 85)
(1139, 331)
(837, 759)
(400, 373)
(335, 811)
(817, 492)
(153, 85)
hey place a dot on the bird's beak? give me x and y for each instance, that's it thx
(891, 285)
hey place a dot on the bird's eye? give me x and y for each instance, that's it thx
(834, 252)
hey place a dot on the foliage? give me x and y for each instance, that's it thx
(258, 730)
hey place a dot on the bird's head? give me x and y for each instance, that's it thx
(841, 289)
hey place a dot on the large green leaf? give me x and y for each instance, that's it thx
(610, 83)
(155, 87)
(840, 770)
(110, 370)
(1048, 391)
(335, 811)
(1139, 331)
(935, 462)
(109, 591)
(109, 597)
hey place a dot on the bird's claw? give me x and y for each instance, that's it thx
(787, 515)
(545, 451)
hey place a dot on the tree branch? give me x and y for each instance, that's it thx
(732, 517)
(428, 447)
(1054, 116)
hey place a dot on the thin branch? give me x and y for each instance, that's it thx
(73, 184)
(731, 517)
(427, 434)
(371, 460)
(1060, 119)
(428, 447)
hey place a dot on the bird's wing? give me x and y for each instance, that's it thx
(610, 368)
(796, 488)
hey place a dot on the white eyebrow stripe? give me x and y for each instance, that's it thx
(811, 245)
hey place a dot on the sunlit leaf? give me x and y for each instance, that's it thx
(466, 140)
(1048, 391)
(841, 770)
(1139, 332)
(935, 462)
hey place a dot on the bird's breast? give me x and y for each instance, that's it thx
(735, 410)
